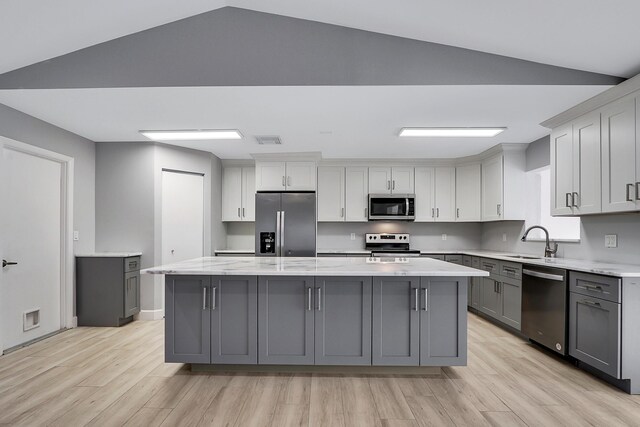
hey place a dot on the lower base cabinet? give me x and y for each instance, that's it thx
(489, 296)
(418, 321)
(510, 298)
(211, 319)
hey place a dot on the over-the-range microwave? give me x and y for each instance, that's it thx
(398, 207)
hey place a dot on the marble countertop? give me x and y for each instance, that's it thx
(294, 266)
(110, 254)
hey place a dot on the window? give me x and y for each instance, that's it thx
(538, 187)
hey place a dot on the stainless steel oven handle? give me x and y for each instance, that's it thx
(555, 277)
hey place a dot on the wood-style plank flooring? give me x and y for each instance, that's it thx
(117, 377)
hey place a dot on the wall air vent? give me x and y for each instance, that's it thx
(268, 140)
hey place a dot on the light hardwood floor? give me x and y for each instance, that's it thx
(115, 377)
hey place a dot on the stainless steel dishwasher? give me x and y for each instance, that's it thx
(544, 306)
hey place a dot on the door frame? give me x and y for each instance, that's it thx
(66, 224)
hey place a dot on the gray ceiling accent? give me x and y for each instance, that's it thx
(239, 47)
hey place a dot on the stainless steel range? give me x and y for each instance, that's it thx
(389, 244)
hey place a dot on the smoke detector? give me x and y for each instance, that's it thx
(268, 140)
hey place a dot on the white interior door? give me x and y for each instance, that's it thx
(182, 216)
(31, 233)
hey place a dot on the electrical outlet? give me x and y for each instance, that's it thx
(611, 241)
(444, 236)
(76, 235)
(353, 236)
(504, 237)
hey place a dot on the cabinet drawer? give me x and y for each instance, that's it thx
(475, 262)
(490, 265)
(131, 264)
(593, 285)
(466, 260)
(455, 259)
(594, 332)
(510, 269)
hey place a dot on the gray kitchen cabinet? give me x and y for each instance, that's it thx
(396, 321)
(434, 256)
(454, 259)
(443, 321)
(286, 320)
(489, 297)
(510, 300)
(234, 321)
(474, 285)
(594, 332)
(343, 320)
(187, 319)
(107, 290)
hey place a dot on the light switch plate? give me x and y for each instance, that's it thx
(76, 235)
(444, 236)
(611, 241)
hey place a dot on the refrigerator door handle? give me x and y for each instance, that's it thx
(282, 233)
(278, 231)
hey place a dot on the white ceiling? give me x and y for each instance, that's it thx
(341, 122)
(591, 35)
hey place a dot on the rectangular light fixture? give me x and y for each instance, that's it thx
(451, 132)
(191, 135)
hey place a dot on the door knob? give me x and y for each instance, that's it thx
(6, 263)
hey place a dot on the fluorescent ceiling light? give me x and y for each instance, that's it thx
(191, 135)
(447, 132)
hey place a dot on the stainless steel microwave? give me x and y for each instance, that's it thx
(399, 207)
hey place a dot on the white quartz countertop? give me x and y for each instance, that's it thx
(294, 266)
(110, 254)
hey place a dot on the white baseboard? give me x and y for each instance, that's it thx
(151, 314)
(74, 322)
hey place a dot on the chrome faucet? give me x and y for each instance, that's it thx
(549, 252)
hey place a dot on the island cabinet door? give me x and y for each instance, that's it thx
(396, 321)
(343, 321)
(285, 320)
(187, 319)
(234, 319)
(443, 321)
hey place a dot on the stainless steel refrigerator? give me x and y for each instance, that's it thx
(286, 224)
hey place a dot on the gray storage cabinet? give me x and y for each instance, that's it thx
(595, 321)
(510, 299)
(500, 295)
(107, 290)
(396, 321)
(343, 321)
(489, 297)
(187, 319)
(286, 320)
(234, 319)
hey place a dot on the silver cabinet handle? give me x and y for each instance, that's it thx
(204, 298)
(629, 199)
(457, 212)
(574, 197)
(288, 181)
(591, 288)
(283, 181)
(566, 200)
(282, 233)
(393, 187)
(342, 213)
(426, 299)
(437, 212)
(494, 287)
(213, 298)
(309, 307)
(593, 303)
(238, 212)
(433, 213)
(637, 190)
(417, 299)
(319, 299)
(499, 209)
(388, 185)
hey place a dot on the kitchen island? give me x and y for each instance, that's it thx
(316, 311)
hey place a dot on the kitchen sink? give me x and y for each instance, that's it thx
(522, 257)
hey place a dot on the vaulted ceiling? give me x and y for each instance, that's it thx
(333, 76)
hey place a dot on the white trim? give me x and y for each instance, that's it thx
(151, 314)
(66, 215)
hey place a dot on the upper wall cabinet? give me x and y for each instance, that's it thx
(468, 192)
(238, 194)
(575, 166)
(285, 176)
(620, 156)
(395, 180)
(503, 183)
(342, 193)
(435, 194)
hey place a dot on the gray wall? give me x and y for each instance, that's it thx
(24, 128)
(538, 153)
(129, 203)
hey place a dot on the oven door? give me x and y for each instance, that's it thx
(391, 207)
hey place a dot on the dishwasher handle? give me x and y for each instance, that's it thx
(555, 277)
